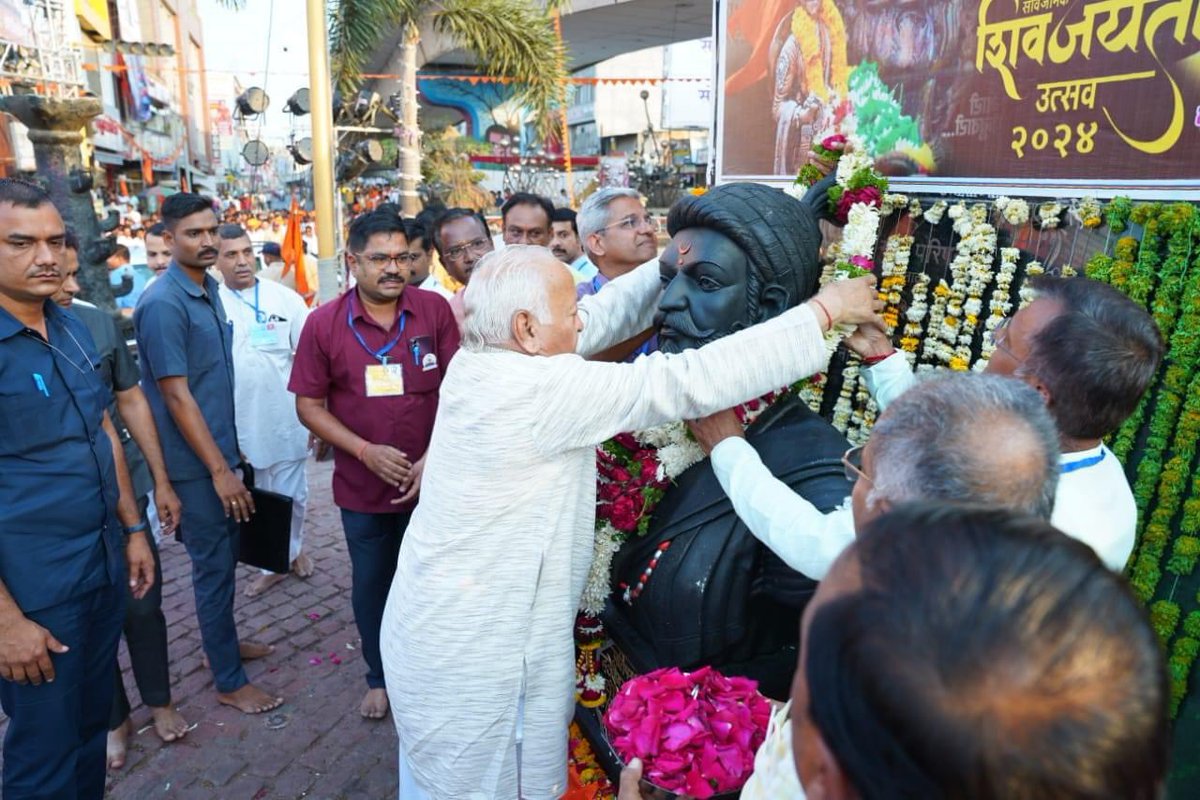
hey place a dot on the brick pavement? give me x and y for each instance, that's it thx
(316, 745)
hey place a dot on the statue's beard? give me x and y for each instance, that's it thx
(682, 334)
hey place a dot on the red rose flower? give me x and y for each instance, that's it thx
(835, 142)
(609, 492)
(624, 515)
(620, 475)
(627, 441)
(869, 195)
(649, 469)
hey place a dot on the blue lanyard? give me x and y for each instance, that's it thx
(258, 315)
(1082, 463)
(381, 353)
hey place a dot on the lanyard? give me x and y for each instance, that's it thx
(258, 315)
(381, 353)
(1082, 463)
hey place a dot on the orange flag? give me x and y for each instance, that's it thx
(292, 250)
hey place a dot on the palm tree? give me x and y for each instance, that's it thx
(512, 39)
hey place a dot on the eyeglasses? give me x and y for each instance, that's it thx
(999, 339)
(633, 222)
(852, 461)
(381, 260)
(457, 252)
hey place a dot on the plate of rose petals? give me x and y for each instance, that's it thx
(695, 732)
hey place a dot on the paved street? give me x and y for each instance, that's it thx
(316, 745)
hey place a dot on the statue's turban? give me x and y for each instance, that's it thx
(778, 233)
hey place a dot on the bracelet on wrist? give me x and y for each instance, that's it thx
(139, 528)
(825, 311)
(873, 360)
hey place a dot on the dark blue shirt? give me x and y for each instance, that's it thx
(182, 331)
(59, 536)
(119, 372)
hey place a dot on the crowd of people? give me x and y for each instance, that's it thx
(971, 635)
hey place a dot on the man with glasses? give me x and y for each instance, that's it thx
(368, 370)
(960, 438)
(461, 237)
(1091, 353)
(618, 235)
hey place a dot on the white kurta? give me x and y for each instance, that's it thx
(496, 555)
(269, 432)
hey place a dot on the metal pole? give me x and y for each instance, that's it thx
(324, 192)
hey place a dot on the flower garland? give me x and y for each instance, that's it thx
(1117, 213)
(857, 184)
(1028, 294)
(806, 28)
(893, 276)
(829, 149)
(1014, 211)
(1000, 304)
(585, 778)
(936, 211)
(1048, 215)
(1088, 212)
(914, 318)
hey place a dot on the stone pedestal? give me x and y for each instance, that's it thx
(56, 131)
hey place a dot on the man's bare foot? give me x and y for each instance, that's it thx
(250, 700)
(302, 566)
(374, 704)
(118, 744)
(264, 582)
(249, 651)
(169, 724)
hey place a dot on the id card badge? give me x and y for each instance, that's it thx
(264, 335)
(385, 380)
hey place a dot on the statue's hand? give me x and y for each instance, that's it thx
(715, 428)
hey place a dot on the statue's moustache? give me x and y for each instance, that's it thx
(682, 325)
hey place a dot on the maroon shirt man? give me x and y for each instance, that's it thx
(366, 377)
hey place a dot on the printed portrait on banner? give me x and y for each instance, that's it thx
(1022, 91)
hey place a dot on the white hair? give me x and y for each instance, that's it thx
(593, 214)
(505, 282)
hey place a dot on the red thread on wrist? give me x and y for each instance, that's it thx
(363, 450)
(828, 318)
(873, 360)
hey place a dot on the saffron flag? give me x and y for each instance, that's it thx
(292, 251)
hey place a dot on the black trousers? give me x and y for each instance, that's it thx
(146, 636)
(374, 544)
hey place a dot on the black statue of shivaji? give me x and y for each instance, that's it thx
(740, 254)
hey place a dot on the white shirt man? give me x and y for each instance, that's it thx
(267, 319)
(1093, 502)
(476, 638)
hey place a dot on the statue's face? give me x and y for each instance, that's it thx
(705, 275)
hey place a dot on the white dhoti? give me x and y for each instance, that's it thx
(288, 478)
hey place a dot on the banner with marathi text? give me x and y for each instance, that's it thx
(1002, 96)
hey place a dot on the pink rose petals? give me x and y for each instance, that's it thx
(696, 733)
(334, 658)
(316, 661)
(312, 617)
